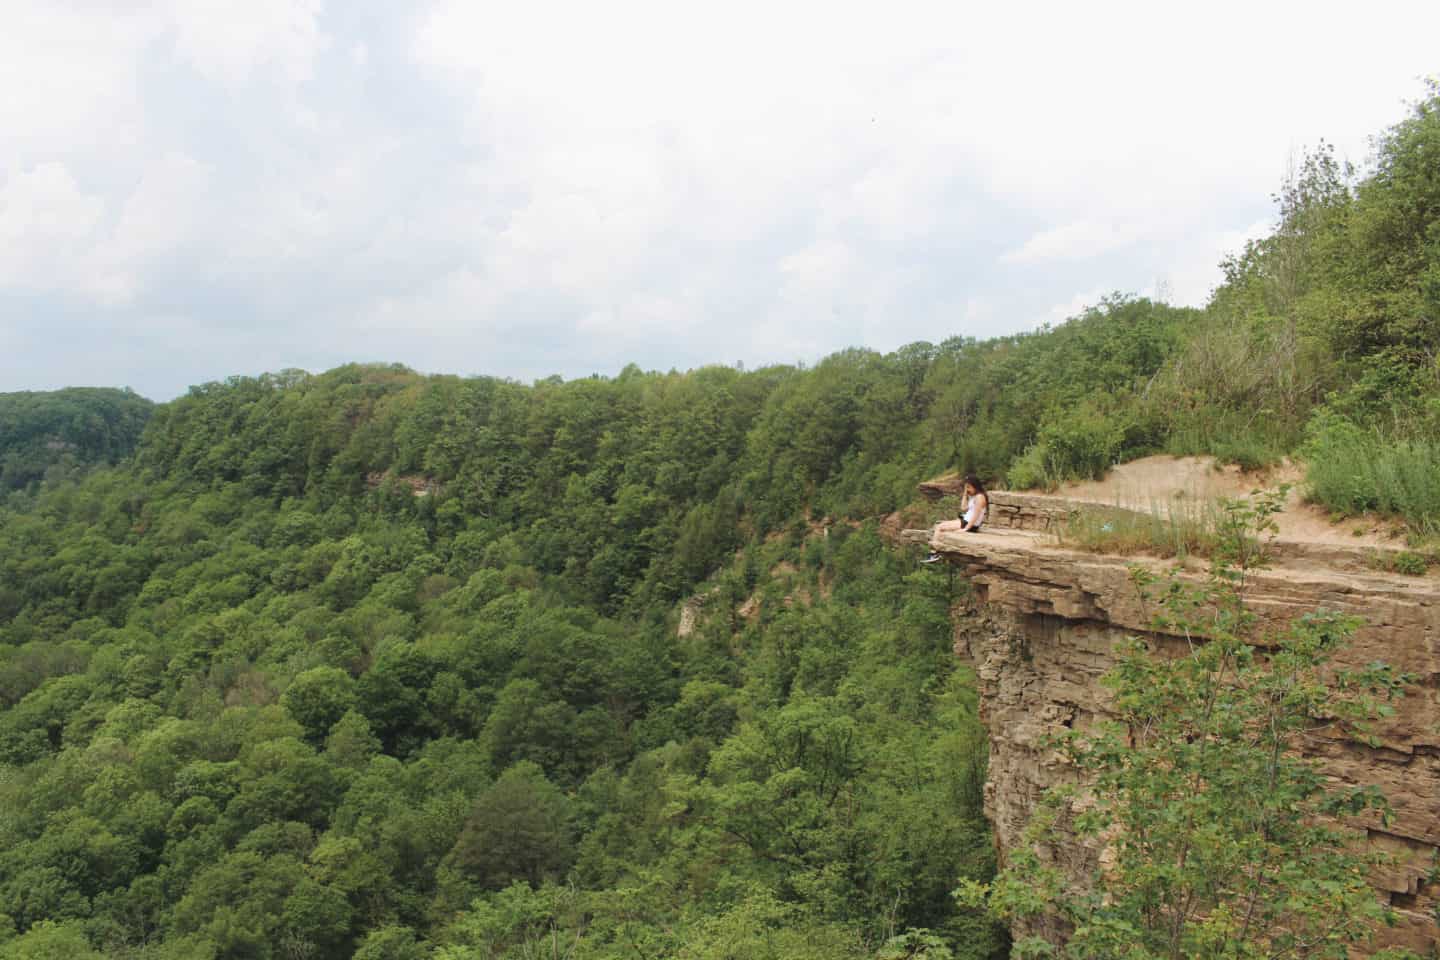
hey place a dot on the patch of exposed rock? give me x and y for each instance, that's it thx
(419, 486)
(1043, 628)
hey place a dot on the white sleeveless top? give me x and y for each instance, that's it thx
(974, 513)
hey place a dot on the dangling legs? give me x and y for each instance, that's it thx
(944, 526)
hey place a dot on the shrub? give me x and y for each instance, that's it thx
(1249, 442)
(1082, 444)
(1079, 444)
(1028, 471)
(1407, 562)
(1353, 469)
(1410, 564)
(1249, 451)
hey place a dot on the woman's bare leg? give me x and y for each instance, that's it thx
(947, 526)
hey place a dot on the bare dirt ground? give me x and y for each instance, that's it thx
(1165, 482)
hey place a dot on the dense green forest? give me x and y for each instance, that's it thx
(389, 665)
(257, 705)
(56, 435)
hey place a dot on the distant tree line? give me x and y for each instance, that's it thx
(58, 433)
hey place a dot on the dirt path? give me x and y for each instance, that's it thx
(1168, 483)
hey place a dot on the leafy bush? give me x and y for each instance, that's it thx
(1411, 564)
(1249, 440)
(1079, 444)
(64, 432)
(1029, 471)
(1353, 469)
(1250, 451)
(1082, 444)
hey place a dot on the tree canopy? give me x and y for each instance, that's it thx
(58, 434)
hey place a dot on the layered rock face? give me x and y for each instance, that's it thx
(1043, 628)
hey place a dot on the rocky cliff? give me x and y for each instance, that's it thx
(1042, 628)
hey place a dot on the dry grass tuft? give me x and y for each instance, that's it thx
(1183, 527)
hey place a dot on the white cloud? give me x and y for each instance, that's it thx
(1080, 240)
(1071, 308)
(69, 79)
(166, 207)
(230, 40)
(55, 237)
(459, 294)
(857, 134)
(642, 316)
(46, 220)
(550, 186)
(1193, 278)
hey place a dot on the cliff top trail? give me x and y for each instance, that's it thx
(1308, 537)
(1162, 480)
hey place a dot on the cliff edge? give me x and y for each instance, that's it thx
(1042, 627)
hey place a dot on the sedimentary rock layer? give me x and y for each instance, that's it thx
(1043, 627)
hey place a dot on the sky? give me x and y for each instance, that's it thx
(195, 189)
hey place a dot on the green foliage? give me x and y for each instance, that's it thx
(1222, 836)
(1079, 444)
(392, 943)
(1250, 451)
(765, 928)
(1410, 563)
(520, 831)
(50, 941)
(57, 435)
(1352, 469)
(915, 945)
(1080, 383)
(1339, 306)
(249, 726)
(318, 698)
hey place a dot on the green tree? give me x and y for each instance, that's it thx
(520, 830)
(50, 941)
(519, 921)
(62, 433)
(392, 943)
(318, 698)
(761, 927)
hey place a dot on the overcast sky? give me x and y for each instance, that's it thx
(191, 189)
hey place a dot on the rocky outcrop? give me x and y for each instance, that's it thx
(1042, 629)
(950, 485)
(419, 486)
(1008, 511)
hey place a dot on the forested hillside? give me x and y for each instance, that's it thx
(61, 433)
(388, 665)
(262, 699)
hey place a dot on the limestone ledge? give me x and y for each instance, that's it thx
(1042, 628)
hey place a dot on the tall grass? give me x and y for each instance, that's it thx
(1230, 439)
(1179, 528)
(1353, 470)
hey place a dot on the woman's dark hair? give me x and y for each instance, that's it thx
(973, 481)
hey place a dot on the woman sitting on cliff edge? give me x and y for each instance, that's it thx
(976, 505)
